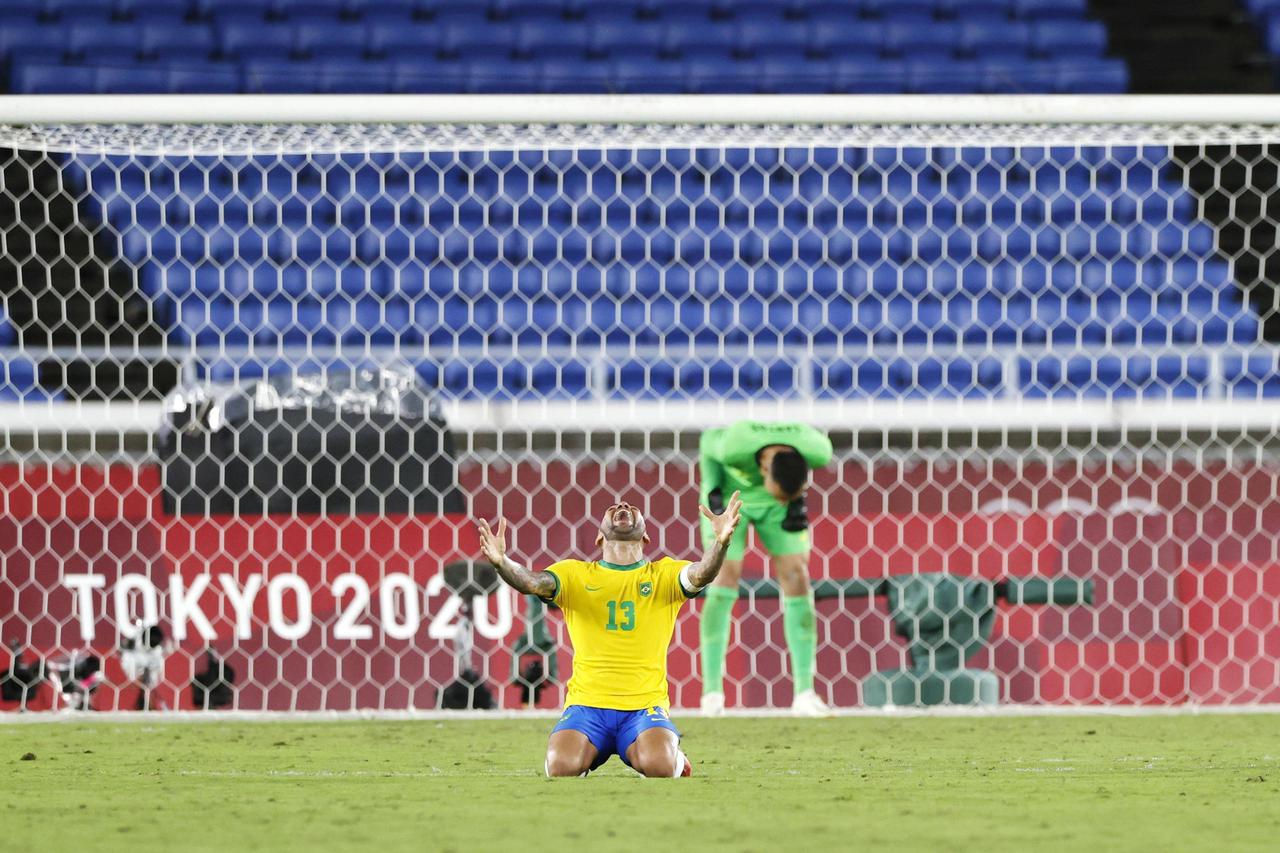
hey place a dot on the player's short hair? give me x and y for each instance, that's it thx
(789, 471)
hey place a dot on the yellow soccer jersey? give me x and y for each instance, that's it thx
(620, 621)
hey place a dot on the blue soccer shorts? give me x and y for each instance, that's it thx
(612, 732)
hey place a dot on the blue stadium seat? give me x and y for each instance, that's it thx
(395, 35)
(217, 9)
(551, 36)
(688, 28)
(636, 378)
(521, 9)
(920, 38)
(40, 79)
(355, 77)
(1080, 376)
(137, 80)
(1040, 9)
(894, 9)
(469, 35)
(268, 76)
(713, 73)
(97, 44)
(848, 378)
(608, 34)
(69, 10)
(23, 9)
(937, 77)
(1179, 376)
(19, 379)
(169, 40)
(847, 39)
(794, 74)
(420, 8)
(735, 379)
(574, 75)
(967, 10)
(1069, 39)
(504, 76)
(33, 42)
(8, 334)
(1099, 76)
(1252, 377)
(247, 39)
(485, 378)
(754, 34)
(146, 11)
(328, 38)
(556, 379)
(634, 73)
(856, 76)
(305, 8)
(986, 38)
(1116, 377)
(1271, 35)
(711, 8)
(205, 78)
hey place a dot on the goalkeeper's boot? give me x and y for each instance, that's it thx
(807, 704)
(712, 704)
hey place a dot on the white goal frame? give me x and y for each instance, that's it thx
(276, 125)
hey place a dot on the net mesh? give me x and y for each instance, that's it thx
(1041, 352)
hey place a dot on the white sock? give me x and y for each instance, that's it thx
(681, 761)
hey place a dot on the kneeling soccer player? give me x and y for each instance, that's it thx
(620, 611)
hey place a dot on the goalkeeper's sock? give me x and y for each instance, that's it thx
(800, 627)
(717, 615)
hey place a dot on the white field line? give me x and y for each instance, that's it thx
(429, 715)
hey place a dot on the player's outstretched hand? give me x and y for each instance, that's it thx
(725, 523)
(494, 545)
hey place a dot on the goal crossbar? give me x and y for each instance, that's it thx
(1200, 110)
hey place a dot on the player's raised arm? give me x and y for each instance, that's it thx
(697, 575)
(494, 547)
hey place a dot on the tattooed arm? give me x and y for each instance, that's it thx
(494, 547)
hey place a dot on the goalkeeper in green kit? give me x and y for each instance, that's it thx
(769, 464)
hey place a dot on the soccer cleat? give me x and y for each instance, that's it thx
(712, 704)
(807, 704)
(687, 769)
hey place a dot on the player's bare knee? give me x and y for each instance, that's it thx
(656, 761)
(659, 767)
(560, 764)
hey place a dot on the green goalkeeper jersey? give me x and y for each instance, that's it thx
(727, 456)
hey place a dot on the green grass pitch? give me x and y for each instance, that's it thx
(1004, 783)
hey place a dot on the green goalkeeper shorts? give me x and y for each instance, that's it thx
(766, 515)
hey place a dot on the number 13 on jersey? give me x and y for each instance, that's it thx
(625, 609)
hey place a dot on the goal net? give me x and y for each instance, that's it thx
(263, 362)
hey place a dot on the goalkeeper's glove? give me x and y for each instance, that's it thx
(715, 500)
(797, 516)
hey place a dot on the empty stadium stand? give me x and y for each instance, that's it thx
(125, 46)
(661, 277)
(1036, 274)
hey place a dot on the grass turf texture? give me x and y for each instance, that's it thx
(1044, 783)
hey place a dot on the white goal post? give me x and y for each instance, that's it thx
(1041, 331)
